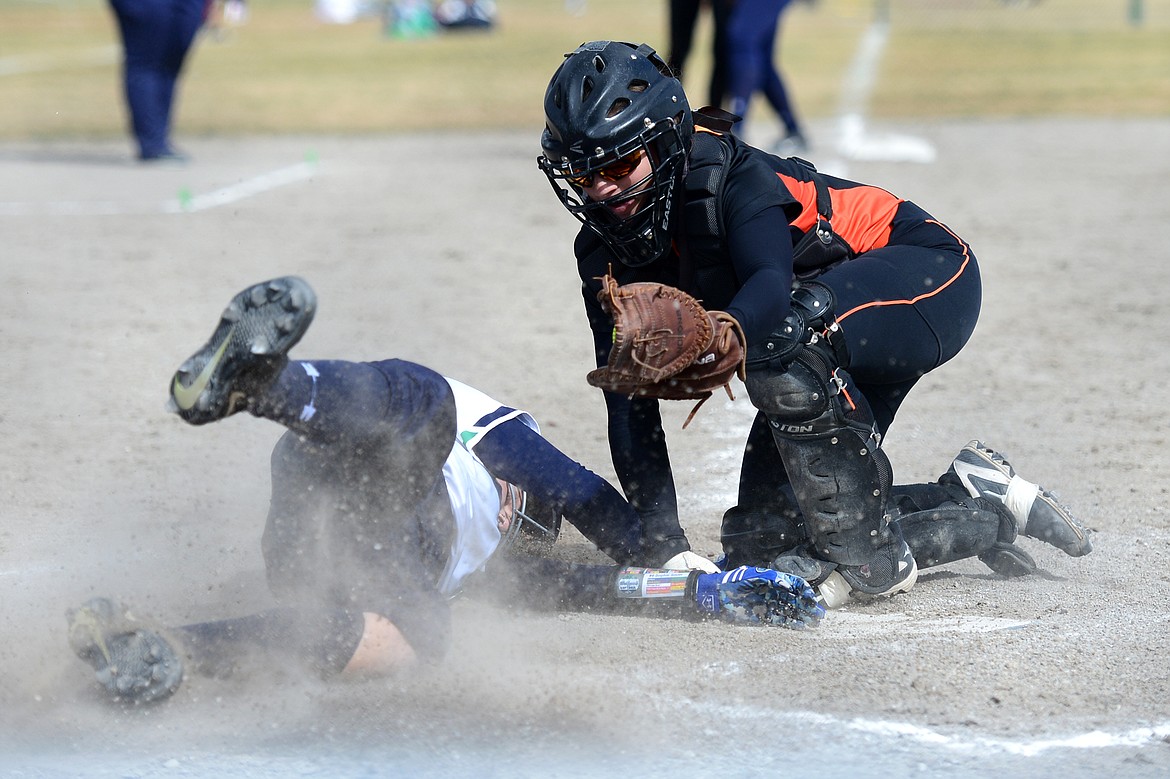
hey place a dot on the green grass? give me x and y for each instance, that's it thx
(284, 72)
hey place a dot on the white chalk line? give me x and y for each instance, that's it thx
(854, 140)
(245, 189)
(41, 568)
(183, 203)
(1095, 739)
(976, 745)
(850, 625)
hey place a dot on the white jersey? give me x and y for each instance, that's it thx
(473, 491)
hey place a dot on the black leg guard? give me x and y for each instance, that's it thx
(824, 430)
(829, 448)
(840, 484)
(942, 524)
(954, 531)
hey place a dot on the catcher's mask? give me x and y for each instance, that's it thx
(532, 526)
(607, 103)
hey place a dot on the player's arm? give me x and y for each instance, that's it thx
(638, 448)
(517, 454)
(744, 595)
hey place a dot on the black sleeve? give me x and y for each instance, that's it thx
(757, 208)
(761, 252)
(637, 442)
(516, 453)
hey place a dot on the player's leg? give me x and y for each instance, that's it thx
(899, 312)
(141, 23)
(246, 352)
(824, 431)
(345, 558)
(939, 521)
(363, 522)
(140, 662)
(908, 307)
(777, 93)
(746, 49)
(929, 291)
(986, 474)
(183, 20)
(245, 366)
(683, 16)
(132, 659)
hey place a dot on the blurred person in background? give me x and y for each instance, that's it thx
(466, 14)
(752, 30)
(684, 15)
(156, 36)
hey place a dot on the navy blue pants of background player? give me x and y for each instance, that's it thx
(156, 36)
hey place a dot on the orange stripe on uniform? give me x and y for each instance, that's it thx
(861, 215)
(925, 295)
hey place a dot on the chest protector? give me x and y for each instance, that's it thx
(703, 252)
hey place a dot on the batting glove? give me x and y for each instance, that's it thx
(760, 596)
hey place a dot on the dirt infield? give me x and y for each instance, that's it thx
(449, 249)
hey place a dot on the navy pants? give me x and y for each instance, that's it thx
(905, 309)
(751, 35)
(156, 35)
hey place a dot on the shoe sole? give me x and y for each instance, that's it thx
(259, 325)
(104, 635)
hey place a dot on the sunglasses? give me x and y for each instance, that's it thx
(618, 169)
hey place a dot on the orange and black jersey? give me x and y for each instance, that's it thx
(907, 291)
(744, 211)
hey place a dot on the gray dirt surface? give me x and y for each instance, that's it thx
(449, 249)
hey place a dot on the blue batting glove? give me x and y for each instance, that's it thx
(760, 596)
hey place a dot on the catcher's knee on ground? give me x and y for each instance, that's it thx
(757, 536)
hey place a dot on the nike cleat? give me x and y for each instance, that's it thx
(247, 351)
(987, 474)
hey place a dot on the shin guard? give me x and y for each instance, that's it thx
(954, 531)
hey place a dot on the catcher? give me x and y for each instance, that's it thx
(393, 489)
(833, 297)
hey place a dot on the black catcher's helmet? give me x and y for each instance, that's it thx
(605, 102)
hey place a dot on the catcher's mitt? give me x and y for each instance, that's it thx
(666, 345)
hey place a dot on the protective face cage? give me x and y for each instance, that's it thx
(534, 525)
(645, 235)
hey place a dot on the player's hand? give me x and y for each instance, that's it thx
(760, 596)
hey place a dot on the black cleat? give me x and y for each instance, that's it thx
(247, 351)
(133, 662)
(986, 473)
